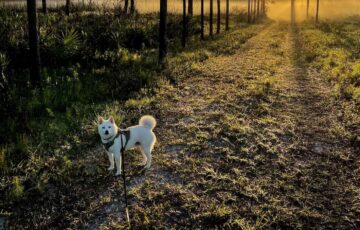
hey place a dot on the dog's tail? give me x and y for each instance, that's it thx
(148, 121)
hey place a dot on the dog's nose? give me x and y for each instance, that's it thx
(106, 132)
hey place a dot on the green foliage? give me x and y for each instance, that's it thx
(92, 64)
(68, 44)
(17, 190)
(334, 47)
(3, 62)
(3, 161)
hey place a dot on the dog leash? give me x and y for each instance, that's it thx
(122, 150)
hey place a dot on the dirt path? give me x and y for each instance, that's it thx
(248, 143)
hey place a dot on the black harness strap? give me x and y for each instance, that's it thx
(124, 132)
(122, 150)
(107, 145)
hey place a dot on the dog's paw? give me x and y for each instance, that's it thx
(110, 168)
(117, 173)
(147, 166)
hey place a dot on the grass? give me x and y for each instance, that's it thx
(249, 131)
(48, 161)
(332, 50)
(333, 47)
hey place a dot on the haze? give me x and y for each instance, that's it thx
(278, 9)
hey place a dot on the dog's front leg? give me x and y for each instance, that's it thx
(118, 164)
(111, 159)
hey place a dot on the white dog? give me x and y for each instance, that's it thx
(114, 139)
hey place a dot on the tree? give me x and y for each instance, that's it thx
(202, 18)
(307, 8)
(317, 10)
(190, 7)
(35, 77)
(258, 8)
(132, 6)
(249, 11)
(5, 95)
(227, 15)
(211, 17)
(254, 11)
(263, 7)
(44, 9)
(67, 7)
(162, 31)
(218, 17)
(293, 11)
(126, 6)
(183, 37)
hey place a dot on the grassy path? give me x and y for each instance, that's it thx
(248, 143)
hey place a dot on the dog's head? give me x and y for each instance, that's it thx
(107, 128)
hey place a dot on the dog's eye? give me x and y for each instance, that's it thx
(109, 127)
(103, 127)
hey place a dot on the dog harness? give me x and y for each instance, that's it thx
(124, 132)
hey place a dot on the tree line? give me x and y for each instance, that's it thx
(255, 10)
(126, 9)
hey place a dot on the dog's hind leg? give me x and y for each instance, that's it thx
(147, 151)
(143, 163)
(111, 159)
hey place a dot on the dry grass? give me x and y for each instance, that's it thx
(245, 141)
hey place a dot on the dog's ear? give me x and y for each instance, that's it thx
(111, 119)
(100, 120)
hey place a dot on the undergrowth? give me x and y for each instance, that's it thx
(332, 49)
(92, 64)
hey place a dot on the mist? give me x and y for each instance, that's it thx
(277, 9)
(329, 9)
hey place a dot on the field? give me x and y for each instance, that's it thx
(258, 127)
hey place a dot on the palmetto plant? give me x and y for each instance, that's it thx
(70, 42)
(3, 64)
(67, 44)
